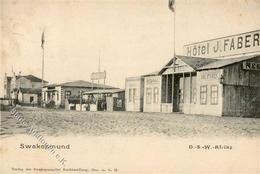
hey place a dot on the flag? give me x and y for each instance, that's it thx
(171, 5)
(42, 45)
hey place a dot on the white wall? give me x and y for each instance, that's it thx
(25, 98)
(136, 103)
(209, 78)
(152, 82)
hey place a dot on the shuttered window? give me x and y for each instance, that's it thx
(148, 95)
(203, 95)
(155, 95)
(214, 94)
(130, 95)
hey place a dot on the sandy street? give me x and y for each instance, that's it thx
(60, 122)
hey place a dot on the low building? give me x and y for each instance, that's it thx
(105, 100)
(29, 96)
(23, 89)
(55, 95)
(220, 87)
(134, 93)
(179, 83)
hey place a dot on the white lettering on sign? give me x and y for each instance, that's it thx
(226, 46)
(251, 66)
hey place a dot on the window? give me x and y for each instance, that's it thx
(203, 95)
(119, 103)
(155, 95)
(148, 95)
(194, 95)
(31, 99)
(67, 94)
(57, 96)
(130, 95)
(134, 93)
(214, 94)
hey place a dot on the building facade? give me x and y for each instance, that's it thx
(23, 89)
(56, 95)
(202, 86)
(134, 93)
(152, 93)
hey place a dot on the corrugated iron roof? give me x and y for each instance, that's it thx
(82, 83)
(32, 78)
(225, 62)
(104, 91)
(193, 62)
(30, 90)
(196, 62)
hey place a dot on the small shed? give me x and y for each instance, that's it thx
(105, 99)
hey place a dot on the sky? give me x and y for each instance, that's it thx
(131, 37)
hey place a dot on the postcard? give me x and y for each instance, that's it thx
(131, 87)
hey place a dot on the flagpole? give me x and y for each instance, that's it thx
(42, 65)
(174, 28)
(172, 6)
(42, 45)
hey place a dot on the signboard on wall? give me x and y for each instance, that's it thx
(210, 75)
(226, 46)
(251, 66)
(98, 75)
(153, 80)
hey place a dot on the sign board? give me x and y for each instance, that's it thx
(251, 66)
(153, 80)
(210, 75)
(226, 46)
(98, 75)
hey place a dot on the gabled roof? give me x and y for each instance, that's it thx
(196, 62)
(32, 78)
(82, 83)
(225, 62)
(193, 62)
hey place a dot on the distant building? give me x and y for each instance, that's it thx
(7, 86)
(57, 94)
(25, 89)
(105, 100)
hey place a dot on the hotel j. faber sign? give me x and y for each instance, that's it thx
(226, 46)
